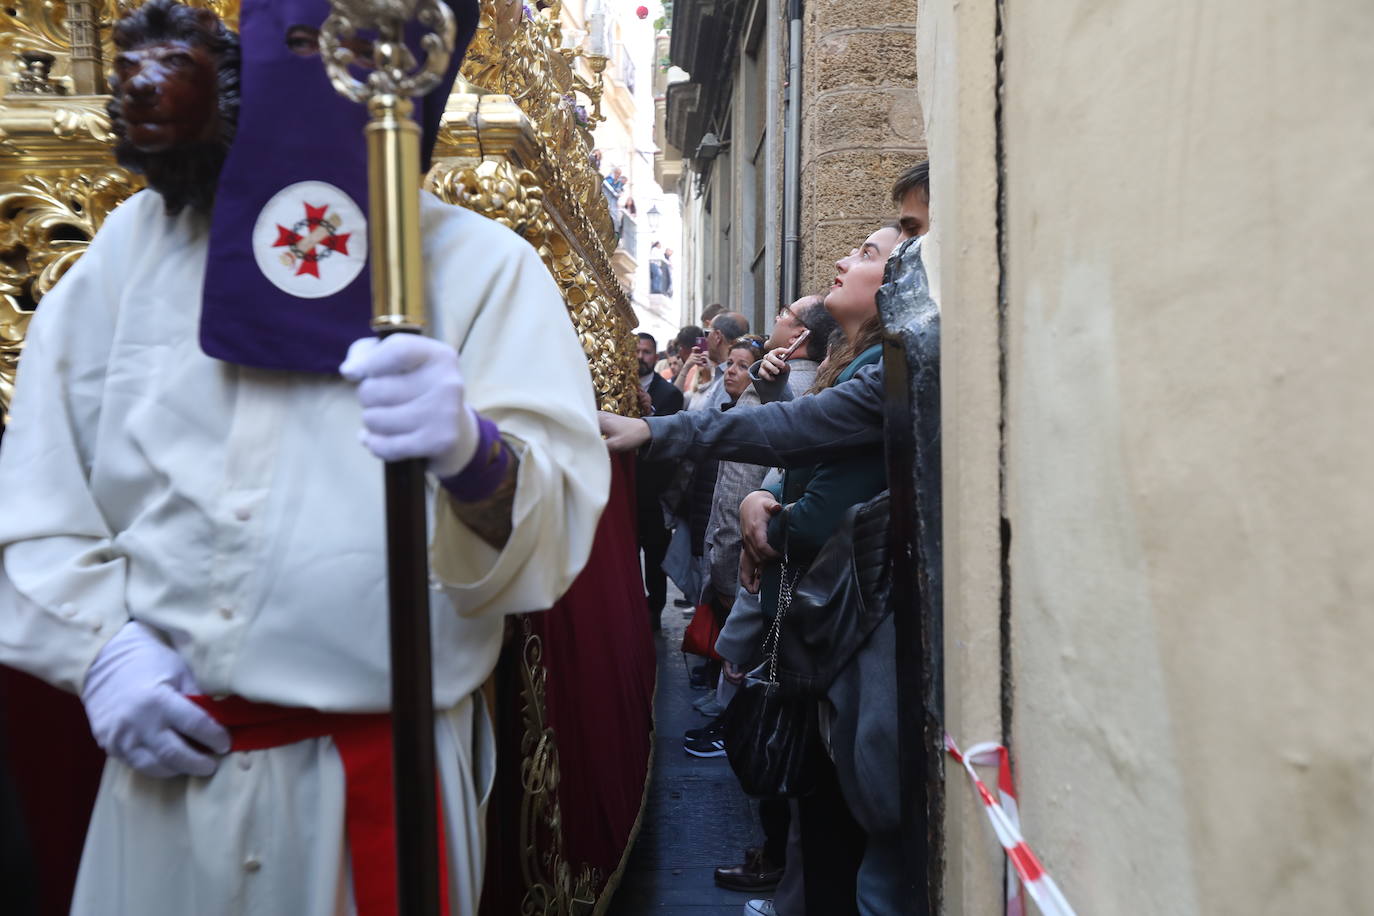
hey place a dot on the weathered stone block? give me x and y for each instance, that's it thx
(823, 18)
(824, 244)
(906, 119)
(865, 118)
(851, 183)
(854, 59)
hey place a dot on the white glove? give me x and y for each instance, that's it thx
(134, 697)
(412, 394)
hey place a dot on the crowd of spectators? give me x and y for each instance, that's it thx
(735, 536)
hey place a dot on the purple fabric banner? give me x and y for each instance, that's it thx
(287, 285)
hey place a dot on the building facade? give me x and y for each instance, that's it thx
(790, 122)
(621, 43)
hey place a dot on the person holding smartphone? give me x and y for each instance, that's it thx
(795, 350)
(685, 344)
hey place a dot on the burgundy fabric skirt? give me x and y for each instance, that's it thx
(599, 662)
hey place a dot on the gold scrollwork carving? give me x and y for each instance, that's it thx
(497, 190)
(524, 59)
(37, 26)
(72, 120)
(521, 58)
(45, 225)
(514, 197)
(551, 889)
(32, 27)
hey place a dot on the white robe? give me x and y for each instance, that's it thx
(233, 510)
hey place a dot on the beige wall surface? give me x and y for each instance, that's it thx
(861, 124)
(958, 84)
(1190, 450)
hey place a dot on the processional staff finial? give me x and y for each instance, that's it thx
(393, 138)
(395, 71)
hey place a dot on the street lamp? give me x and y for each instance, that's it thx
(653, 216)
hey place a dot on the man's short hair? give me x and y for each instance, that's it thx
(730, 326)
(918, 176)
(813, 316)
(711, 312)
(644, 335)
(687, 337)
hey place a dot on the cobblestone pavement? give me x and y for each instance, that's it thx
(696, 817)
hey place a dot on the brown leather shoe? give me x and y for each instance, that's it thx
(756, 874)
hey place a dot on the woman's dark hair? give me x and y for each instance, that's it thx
(751, 342)
(186, 177)
(869, 334)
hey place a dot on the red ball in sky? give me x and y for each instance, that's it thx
(642, 12)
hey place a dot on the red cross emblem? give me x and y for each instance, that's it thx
(311, 240)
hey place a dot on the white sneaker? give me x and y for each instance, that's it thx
(759, 908)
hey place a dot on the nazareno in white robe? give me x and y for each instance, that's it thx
(233, 510)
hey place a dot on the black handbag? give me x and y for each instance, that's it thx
(837, 604)
(773, 742)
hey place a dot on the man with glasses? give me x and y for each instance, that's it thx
(779, 378)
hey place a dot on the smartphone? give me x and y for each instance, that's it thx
(700, 344)
(801, 339)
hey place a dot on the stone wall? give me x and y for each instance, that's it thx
(861, 126)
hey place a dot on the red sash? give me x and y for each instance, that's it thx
(364, 743)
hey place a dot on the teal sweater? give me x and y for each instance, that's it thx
(817, 498)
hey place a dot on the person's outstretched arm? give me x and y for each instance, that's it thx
(830, 424)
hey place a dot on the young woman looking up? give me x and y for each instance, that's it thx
(816, 499)
(852, 302)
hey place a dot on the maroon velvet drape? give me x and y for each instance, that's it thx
(55, 765)
(599, 653)
(599, 656)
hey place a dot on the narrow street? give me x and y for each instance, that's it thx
(696, 817)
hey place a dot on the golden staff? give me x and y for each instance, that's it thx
(398, 307)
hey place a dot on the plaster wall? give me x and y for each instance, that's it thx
(1190, 449)
(861, 124)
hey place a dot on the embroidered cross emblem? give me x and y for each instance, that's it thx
(311, 240)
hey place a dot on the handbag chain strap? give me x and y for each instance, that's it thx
(771, 642)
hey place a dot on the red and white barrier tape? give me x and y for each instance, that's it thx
(1006, 823)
